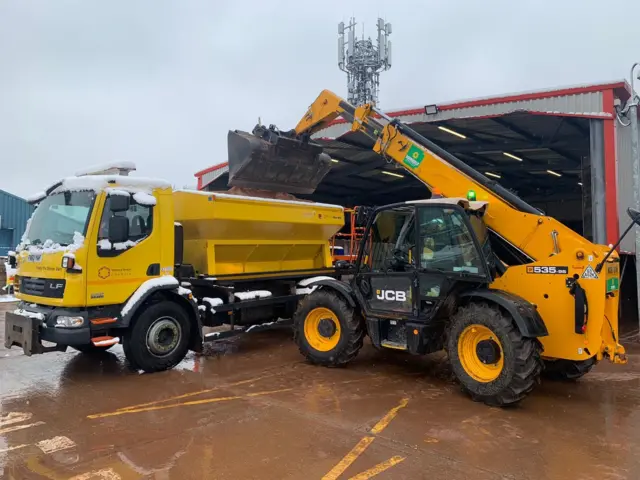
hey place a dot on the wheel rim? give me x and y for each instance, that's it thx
(480, 353)
(322, 329)
(163, 336)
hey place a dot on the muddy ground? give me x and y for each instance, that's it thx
(252, 408)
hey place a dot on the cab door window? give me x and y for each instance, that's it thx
(391, 242)
(139, 218)
(447, 243)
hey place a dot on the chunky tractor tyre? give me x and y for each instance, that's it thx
(159, 338)
(567, 370)
(491, 359)
(327, 330)
(91, 349)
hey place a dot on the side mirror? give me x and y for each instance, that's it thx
(119, 203)
(13, 261)
(118, 229)
(634, 214)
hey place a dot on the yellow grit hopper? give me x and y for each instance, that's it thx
(227, 234)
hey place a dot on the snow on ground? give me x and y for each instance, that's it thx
(7, 299)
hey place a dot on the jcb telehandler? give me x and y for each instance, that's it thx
(506, 290)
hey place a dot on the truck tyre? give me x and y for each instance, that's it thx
(327, 330)
(489, 356)
(159, 337)
(567, 370)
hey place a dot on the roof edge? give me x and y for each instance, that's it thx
(510, 97)
(210, 169)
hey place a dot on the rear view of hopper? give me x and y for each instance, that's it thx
(268, 159)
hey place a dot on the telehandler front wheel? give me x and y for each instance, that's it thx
(159, 338)
(490, 358)
(327, 330)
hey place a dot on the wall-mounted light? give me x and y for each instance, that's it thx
(334, 160)
(452, 132)
(551, 172)
(431, 109)
(387, 172)
(494, 175)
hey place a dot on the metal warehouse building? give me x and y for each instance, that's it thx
(562, 150)
(14, 213)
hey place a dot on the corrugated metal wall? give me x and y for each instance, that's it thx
(14, 213)
(581, 104)
(624, 167)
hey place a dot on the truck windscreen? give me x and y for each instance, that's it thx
(59, 216)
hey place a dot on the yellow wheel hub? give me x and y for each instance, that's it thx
(480, 353)
(322, 329)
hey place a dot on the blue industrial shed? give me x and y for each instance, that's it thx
(14, 213)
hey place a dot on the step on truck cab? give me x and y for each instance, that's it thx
(111, 258)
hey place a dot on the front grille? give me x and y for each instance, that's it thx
(32, 286)
(42, 287)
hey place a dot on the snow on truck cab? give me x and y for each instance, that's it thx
(110, 258)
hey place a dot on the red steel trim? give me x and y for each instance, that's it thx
(210, 169)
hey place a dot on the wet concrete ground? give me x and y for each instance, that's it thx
(253, 409)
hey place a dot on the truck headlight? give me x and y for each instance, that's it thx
(69, 322)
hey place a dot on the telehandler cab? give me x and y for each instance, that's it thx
(506, 290)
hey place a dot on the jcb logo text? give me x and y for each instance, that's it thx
(391, 295)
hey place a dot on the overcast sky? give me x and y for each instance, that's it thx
(161, 82)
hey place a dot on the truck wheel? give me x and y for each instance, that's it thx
(159, 338)
(490, 358)
(327, 330)
(91, 348)
(567, 370)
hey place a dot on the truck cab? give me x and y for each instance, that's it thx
(92, 242)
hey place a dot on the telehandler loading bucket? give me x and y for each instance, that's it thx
(268, 159)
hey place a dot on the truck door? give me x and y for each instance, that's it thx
(448, 253)
(116, 270)
(386, 280)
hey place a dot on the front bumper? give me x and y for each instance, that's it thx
(28, 333)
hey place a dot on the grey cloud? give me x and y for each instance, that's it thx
(160, 82)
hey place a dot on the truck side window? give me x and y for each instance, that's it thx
(391, 242)
(446, 242)
(140, 221)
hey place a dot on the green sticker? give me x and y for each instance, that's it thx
(414, 157)
(612, 284)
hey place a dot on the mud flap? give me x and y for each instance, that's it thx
(268, 159)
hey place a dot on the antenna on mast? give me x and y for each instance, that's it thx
(362, 61)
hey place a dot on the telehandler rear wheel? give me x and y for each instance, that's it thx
(327, 330)
(492, 360)
(567, 370)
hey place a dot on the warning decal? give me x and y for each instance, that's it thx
(589, 273)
